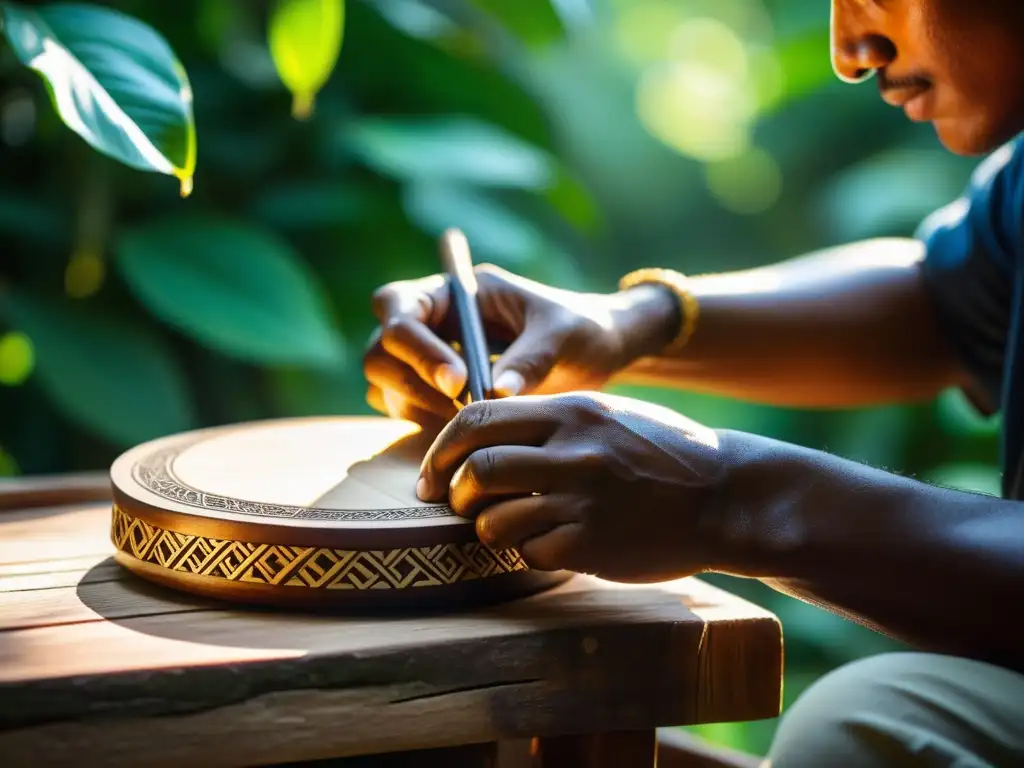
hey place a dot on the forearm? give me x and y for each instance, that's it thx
(845, 327)
(937, 568)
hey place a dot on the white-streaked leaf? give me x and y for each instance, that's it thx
(305, 39)
(113, 80)
(234, 288)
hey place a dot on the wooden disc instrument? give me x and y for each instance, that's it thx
(304, 512)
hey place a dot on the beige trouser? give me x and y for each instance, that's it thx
(906, 709)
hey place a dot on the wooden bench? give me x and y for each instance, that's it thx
(99, 668)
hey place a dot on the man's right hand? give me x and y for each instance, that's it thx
(558, 340)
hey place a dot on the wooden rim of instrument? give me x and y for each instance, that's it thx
(314, 511)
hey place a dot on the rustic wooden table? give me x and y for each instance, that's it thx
(99, 668)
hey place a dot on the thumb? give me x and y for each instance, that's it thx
(526, 363)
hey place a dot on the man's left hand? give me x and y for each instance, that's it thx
(592, 483)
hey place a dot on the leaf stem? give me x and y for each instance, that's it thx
(302, 106)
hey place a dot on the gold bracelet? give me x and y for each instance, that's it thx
(689, 307)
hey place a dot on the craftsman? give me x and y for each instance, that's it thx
(589, 482)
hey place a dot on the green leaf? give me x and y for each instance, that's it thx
(804, 60)
(468, 151)
(305, 41)
(574, 202)
(958, 417)
(415, 18)
(888, 193)
(113, 80)
(535, 23)
(450, 148)
(493, 231)
(496, 233)
(299, 393)
(32, 218)
(232, 287)
(305, 205)
(971, 477)
(435, 78)
(109, 375)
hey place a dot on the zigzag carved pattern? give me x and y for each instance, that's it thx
(310, 567)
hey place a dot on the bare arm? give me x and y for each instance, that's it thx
(940, 569)
(844, 327)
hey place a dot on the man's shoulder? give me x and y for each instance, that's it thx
(1002, 168)
(989, 215)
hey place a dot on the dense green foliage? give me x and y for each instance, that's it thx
(571, 140)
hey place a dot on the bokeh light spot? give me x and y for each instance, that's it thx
(644, 30)
(768, 79)
(84, 275)
(703, 100)
(694, 111)
(17, 358)
(709, 44)
(747, 184)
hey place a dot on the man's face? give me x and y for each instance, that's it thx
(958, 64)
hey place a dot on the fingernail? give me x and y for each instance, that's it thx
(449, 380)
(421, 489)
(483, 529)
(509, 384)
(394, 403)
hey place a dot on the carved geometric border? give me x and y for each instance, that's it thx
(155, 473)
(309, 567)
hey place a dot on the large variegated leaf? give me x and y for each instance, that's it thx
(113, 80)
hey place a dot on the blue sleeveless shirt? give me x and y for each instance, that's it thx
(974, 249)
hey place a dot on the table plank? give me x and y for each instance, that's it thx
(92, 599)
(64, 572)
(130, 624)
(53, 490)
(54, 533)
(101, 668)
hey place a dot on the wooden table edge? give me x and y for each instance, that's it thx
(34, 491)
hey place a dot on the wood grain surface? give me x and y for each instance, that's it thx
(50, 490)
(100, 668)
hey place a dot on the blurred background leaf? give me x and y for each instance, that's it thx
(114, 378)
(305, 40)
(573, 140)
(535, 23)
(231, 287)
(457, 149)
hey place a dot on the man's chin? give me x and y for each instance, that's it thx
(971, 138)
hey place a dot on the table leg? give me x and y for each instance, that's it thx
(616, 749)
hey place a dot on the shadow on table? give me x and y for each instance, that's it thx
(581, 656)
(148, 608)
